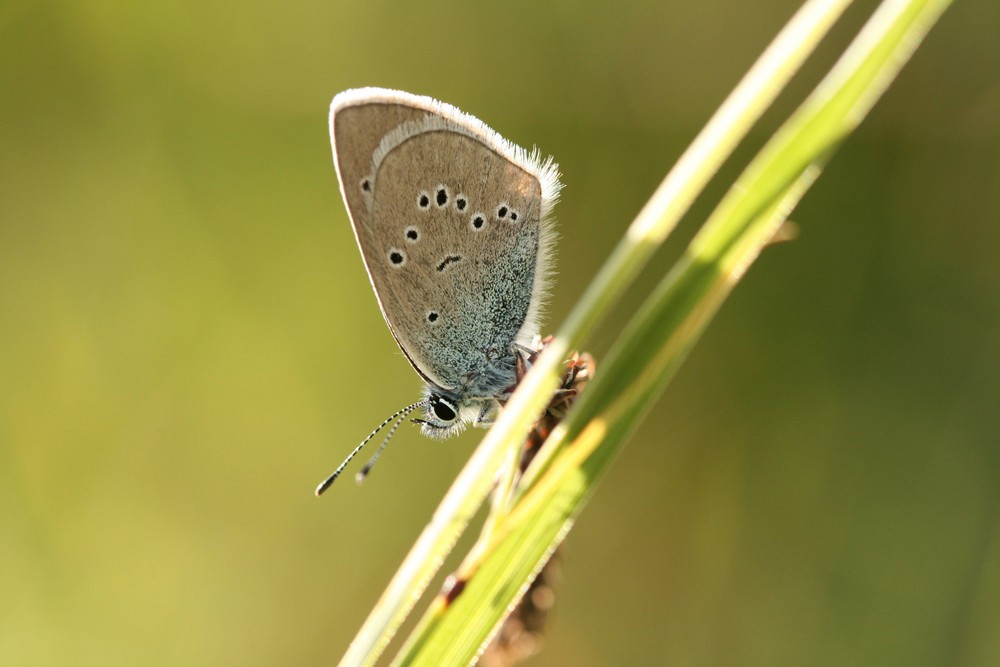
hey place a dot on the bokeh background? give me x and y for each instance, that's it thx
(188, 339)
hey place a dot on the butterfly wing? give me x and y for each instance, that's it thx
(451, 222)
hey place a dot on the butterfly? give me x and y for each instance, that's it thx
(453, 223)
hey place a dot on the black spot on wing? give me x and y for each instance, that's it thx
(450, 259)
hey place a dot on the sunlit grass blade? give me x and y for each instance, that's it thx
(710, 149)
(661, 334)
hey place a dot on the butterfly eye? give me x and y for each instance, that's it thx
(443, 410)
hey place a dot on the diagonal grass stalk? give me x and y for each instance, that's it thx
(699, 163)
(665, 329)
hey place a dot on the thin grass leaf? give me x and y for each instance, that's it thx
(664, 330)
(710, 149)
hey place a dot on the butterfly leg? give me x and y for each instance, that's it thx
(487, 414)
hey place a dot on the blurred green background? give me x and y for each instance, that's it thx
(189, 343)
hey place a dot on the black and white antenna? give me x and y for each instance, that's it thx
(400, 415)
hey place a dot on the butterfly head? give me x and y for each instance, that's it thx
(447, 415)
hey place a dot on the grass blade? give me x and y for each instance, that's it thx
(664, 330)
(714, 144)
